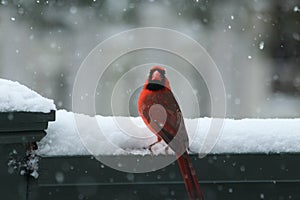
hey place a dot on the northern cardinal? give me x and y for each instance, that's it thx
(161, 113)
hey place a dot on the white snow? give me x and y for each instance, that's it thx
(62, 137)
(259, 136)
(17, 97)
(261, 45)
(32, 165)
(128, 135)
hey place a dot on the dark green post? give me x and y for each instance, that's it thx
(19, 132)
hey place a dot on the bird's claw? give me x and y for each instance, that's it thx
(150, 147)
(167, 150)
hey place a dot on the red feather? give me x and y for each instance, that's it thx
(161, 113)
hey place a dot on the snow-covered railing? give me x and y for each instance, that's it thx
(236, 136)
(251, 158)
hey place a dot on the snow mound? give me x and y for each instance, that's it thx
(62, 137)
(17, 97)
(100, 134)
(128, 135)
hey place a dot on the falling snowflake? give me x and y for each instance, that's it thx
(261, 45)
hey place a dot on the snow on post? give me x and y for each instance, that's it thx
(16, 97)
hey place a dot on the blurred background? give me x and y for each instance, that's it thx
(255, 44)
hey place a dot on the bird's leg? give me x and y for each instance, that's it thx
(151, 145)
(164, 145)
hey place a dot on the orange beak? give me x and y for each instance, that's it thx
(156, 76)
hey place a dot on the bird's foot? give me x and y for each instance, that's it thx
(159, 147)
(150, 147)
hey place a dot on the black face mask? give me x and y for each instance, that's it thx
(155, 85)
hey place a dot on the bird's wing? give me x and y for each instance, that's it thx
(172, 128)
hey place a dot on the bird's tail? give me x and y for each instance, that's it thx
(189, 177)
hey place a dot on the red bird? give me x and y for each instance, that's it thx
(161, 113)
